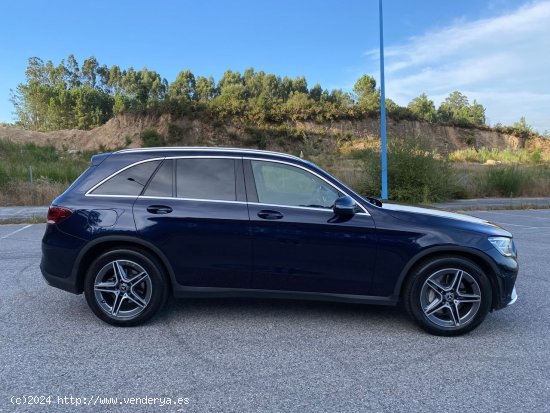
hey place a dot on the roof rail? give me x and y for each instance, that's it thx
(206, 148)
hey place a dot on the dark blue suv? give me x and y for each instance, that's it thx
(141, 224)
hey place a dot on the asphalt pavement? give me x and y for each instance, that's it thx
(253, 355)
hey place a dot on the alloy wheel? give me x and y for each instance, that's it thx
(122, 289)
(450, 298)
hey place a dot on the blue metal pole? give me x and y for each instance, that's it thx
(383, 111)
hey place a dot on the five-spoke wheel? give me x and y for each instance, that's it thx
(125, 287)
(448, 295)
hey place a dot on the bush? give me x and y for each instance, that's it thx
(151, 138)
(415, 173)
(508, 181)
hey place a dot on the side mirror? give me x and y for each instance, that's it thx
(345, 205)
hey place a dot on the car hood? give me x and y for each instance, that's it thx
(410, 213)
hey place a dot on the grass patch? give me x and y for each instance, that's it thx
(507, 156)
(52, 172)
(480, 181)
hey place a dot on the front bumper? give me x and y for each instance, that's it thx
(513, 297)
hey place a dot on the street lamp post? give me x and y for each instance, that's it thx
(383, 111)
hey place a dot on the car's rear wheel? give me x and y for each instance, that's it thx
(448, 296)
(125, 287)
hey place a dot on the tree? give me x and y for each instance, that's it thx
(183, 88)
(115, 79)
(205, 88)
(365, 86)
(477, 114)
(423, 108)
(522, 128)
(315, 92)
(457, 111)
(74, 72)
(89, 68)
(229, 78)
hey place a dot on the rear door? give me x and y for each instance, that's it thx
(194, 210)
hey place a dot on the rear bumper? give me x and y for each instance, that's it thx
(59, 253)
(68, 284)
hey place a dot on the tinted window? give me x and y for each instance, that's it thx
(131, 181)
(206, 179)
(283, 184)
(162, 183)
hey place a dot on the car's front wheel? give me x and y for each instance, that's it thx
(125, 287)
(448, 296)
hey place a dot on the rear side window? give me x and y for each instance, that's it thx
(130, 181)
(206, 179)
(162, 183)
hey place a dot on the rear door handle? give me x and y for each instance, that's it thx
(268, 214)
(159, 209)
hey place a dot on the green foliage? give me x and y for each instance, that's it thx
(423, 108)
(522, 128)
(46, 162)
(456, 110)
(415, 174)
(184, 87)
(365, 86)
(483, 155)
(70, 95)
(175, 134)
(508, 181)
(151, 138)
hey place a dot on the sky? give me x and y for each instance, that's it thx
(494, 51)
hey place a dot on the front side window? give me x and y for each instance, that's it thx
(212, 179)
(130, 181)
(282, 184)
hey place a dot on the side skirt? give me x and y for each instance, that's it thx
(211, 292)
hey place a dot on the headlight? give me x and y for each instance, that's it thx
(504, 245)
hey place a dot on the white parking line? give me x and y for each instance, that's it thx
(16, 231)
(521, 215)
(518, 225)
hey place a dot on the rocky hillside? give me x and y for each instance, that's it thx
(127, 131)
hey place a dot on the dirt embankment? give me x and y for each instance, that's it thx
(126, 130)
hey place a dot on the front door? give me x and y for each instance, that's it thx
(299, 244)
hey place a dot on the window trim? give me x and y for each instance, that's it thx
(93, 188)
(173, 172)
(246, 177)
(364, 210)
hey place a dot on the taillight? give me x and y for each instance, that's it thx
(56, 214)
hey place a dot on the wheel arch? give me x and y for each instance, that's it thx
(102, 244)
(476, 256)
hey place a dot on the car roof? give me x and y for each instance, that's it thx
(220, 151)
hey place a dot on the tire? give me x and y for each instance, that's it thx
(447, 296)
(125, 287)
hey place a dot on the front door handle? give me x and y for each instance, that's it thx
(268, 214)
(159, 209)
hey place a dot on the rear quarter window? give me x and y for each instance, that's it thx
(130, 181)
